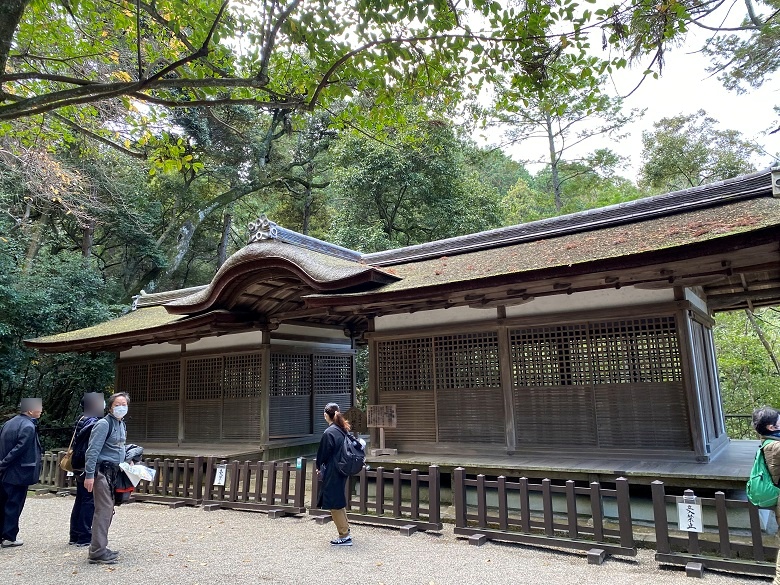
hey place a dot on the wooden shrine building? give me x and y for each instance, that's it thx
(589, 333)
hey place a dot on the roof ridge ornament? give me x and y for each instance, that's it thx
(262, 229)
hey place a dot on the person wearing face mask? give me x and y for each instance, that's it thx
(20, 466)
(105, 452)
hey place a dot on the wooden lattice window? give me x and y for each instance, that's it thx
(467, 360)
(636, 350)
(290, 374)
(333, 374)
(242, 375)
(405, 365)
(610, 352)
(550, 356)
(204, 378)
(133, 379)
(163, 381)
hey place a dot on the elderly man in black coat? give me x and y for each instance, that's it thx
(20, 465)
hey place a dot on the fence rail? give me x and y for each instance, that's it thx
(261, 485)
(522, 526)
(723, 553)
(179, 480)
(388, 506)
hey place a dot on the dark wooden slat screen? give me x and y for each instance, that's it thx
(606, 378)
(332, 379)
(291, 394)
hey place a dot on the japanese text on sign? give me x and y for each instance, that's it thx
(381, 415)
(689, 517)
(220, 472)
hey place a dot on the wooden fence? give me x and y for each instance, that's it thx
(388, 506)
(719, 552)
(567, 528)
(277, 486)
(176, 481)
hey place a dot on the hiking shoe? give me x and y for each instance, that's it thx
(112, 553)
(104, 560)
(10, 543)
(81, 544)
(342, 541)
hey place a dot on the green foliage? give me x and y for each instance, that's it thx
(690, 150)
(58, 294)
(413, 190)
(748, 377)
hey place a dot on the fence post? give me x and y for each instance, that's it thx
(547, 507)
(270, 494)
(525, 506)
(624, 513)
(380, 491)
(234, 479)
(660, 519)
(434, 494)
(597, 511)
(300, 484)
(415, 485)
(363, 499)
(397, 492)
(208, 489)
(459, 496)
(315, 488)
(571, 509)
(197, 482)
(285, 492)
(481, 501)
(503, 513)
(723, 525)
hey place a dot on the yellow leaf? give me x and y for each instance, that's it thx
(114, 56)
(123, 76)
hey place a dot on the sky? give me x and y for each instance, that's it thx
(683, 88)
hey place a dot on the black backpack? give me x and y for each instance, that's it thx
(80, 444)
(352, 456)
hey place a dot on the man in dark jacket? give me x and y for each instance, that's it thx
(20, 466)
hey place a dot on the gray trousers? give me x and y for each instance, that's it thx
(101, 520)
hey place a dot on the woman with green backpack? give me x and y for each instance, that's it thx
(766, 422)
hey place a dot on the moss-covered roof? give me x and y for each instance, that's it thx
(145, 319)
(609, 242)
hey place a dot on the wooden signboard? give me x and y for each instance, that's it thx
(383, 417)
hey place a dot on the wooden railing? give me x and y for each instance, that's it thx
(567, 528)
(718, 550)
(277, 486)
(175, 480)
(388, 506)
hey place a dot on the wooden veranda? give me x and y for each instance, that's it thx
(728, 471)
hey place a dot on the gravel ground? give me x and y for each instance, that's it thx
(190, 546)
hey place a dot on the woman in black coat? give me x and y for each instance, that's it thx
(332, 493)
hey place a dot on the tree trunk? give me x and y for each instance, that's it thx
(11, 12)
(36, 240)
(760, 332)
(227, 224)
(556, 181)
(87, 239)
(307, 199)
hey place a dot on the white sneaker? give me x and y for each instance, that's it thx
(342, 541)
(10, 543)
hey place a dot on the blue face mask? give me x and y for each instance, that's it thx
(120, 411)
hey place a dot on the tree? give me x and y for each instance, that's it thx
(590, 184)
(564, 118)
(408, 191)
(689, 150)
(746, 345)
(748, 56)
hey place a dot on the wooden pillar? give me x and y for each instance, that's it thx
(505, 365)
(691, 385)
(373, 380)
(265, 389)
(182, 392)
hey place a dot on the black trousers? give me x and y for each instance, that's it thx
(12, 498)
(81, 516)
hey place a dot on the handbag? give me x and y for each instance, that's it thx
(66, 461)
